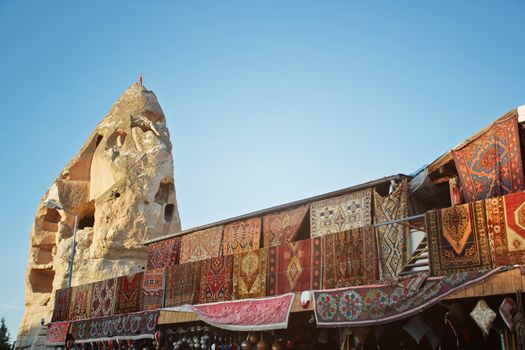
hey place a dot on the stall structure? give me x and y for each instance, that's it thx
(421, 261)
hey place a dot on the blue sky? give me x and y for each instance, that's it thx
(267, 101)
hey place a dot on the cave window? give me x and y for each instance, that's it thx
(168, 212)
(163, 194)
(44, 255)
(41, 280)
(51, 220)
(86, 221)
(52, 215)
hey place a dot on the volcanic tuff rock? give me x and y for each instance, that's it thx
(121, 186)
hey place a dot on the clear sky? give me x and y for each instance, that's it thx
(267, 101)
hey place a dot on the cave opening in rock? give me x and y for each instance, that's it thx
(168, 212)
(41, 281)
(51, 220)
(86, 215)
(44, 254)
(116, 139)
(163, 194)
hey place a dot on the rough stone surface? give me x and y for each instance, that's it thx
(121, 186)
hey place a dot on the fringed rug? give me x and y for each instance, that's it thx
(242, 236)
(247, 315)
(283, 227)
(182, 284)
(216, 280)
(491, 165)
(290, 268)
(133, 326)
(79, 302)
(378, 304)
(506, 227)
(60, 311)
(350, 258)
(153, 289)
(249, 274)
(201, 245)
(56, 333)
(103, 298)
(164, 253)
(458, 239)
(129, 293)
(317, 262)
(393, 239)
(341, 213)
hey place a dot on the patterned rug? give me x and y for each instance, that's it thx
(374, 305)
(248, 315)
(79, 302)
(60, 311)
(216, 280)
(153, 289)
(139, 325)
(129, 293)
(289, 268)
(57, 333)
(182, 284)
(163, 253)
(249, 274)
(201, 245)
(341, 213)
(506, 227)
(350, 258)
(242, 236)
(393, 239)
(458, 239)
(491, 164)
(103, 298)
(283, 227)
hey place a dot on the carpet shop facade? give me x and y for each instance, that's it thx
(426, 261)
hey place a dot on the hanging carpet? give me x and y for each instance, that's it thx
(80, 301)
(491, 165)
(138, 325)
(153, 289)
(242, 236)
(350, 258)
(458, 239)
(506, 226)
(283, 227)
(393, 239)
(164, 253)
(129, 293)
(201, 245)
(245, 315)
(182, 284)
(103, 298)
(290, 268)
(249, 274)
(216, 280)
(378, 304)
(57, 333)
(341, 213)
(60, 311)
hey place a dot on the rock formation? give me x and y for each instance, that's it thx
(121, 187)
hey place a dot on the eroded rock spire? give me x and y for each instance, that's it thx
(121, 186)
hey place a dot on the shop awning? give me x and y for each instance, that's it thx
(379, 304)
(244, 315)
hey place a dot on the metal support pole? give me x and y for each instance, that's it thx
(73, 250)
